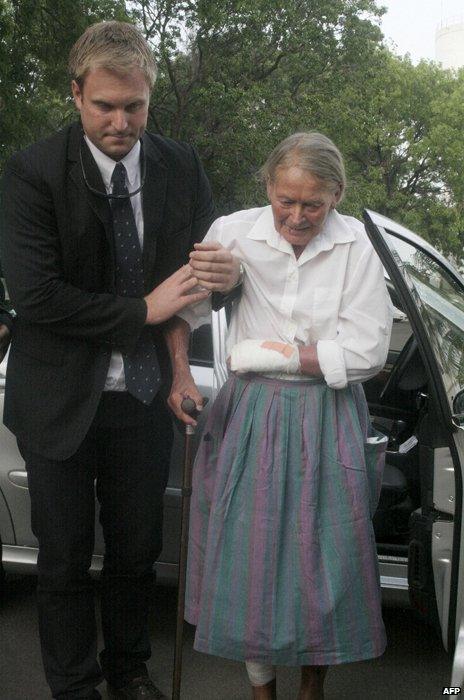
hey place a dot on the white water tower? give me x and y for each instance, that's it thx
(449, 43)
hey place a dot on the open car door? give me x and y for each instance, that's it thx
(431, 293)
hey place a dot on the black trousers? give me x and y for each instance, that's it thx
(127, 452)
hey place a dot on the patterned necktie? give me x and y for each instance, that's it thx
(141, 368)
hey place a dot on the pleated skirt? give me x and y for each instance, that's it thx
(282, 564)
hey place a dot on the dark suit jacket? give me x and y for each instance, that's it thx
(58, 260)
(5, 316)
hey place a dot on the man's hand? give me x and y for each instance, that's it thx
(4, 340)
(214, 266)
(172, 295)
(183, 387)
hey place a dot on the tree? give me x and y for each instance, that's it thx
(398, 166)
(36, 36)
(237, 76)
(447, 142)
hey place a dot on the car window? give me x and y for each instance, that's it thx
(201, 346)
(440, 301)
(401, 331)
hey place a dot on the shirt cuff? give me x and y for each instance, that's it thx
(197, 314)
(332, 363)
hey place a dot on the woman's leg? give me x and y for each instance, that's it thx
(312, 683)
(262, 679)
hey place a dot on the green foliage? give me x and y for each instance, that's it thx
(398, 163)
(36, 36)
(237, 76)
(249, 74)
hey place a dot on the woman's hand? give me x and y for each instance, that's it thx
(183, 387)
(264, 356)
(214, 266)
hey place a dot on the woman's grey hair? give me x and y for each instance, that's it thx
(312, 152)
(115, 46)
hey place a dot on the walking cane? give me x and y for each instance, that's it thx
(188, 406)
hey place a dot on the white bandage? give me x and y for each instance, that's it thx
(251, 356)
(260, 674)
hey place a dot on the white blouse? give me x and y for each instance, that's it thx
(334, 295)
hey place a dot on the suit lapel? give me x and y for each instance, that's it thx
(84, 163)
(153, 197)
(153, 194)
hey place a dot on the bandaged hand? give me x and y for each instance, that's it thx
(264, 356)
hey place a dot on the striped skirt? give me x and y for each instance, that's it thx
(282, 562)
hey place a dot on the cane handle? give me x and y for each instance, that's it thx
(189, 406)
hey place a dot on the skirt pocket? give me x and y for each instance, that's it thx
(374, 453)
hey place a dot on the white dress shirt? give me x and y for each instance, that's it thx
(115, 378)
(334, 295)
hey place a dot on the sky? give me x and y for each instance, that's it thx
(411, 24)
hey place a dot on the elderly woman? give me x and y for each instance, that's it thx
(282, 560)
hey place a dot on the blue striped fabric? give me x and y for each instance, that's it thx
(282, 562)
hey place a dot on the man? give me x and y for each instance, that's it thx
(95, 282)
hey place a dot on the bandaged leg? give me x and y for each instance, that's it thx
(264, 356)
(260, 674)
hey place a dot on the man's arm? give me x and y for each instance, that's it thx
(31, 257)
(33, 267)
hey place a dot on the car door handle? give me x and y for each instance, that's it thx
(18, 478)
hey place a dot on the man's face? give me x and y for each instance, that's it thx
(114, 109)
(300, 205)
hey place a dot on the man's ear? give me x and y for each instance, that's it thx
(77, 94)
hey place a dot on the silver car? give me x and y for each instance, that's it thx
(417, 400)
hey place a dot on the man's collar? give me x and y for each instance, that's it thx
(335, 231)
(106, 165)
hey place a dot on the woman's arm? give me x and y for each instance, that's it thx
(360, 348)
(357, 351)
(309, 361)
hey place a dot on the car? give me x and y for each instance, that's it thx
(417, 400)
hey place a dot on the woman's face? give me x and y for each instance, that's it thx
(300, 205)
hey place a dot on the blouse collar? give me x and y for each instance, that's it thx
(334, 232)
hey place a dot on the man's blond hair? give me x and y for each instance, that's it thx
(115, 46)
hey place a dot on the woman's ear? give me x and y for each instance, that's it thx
(268, 187)
(337, 197)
